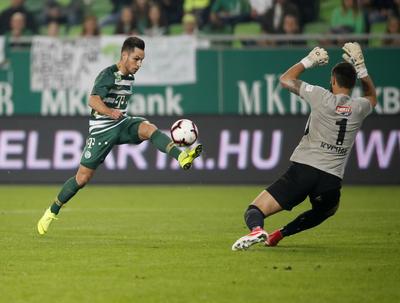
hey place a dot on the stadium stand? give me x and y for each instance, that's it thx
(240, 32)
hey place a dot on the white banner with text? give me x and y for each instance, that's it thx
(62, 64)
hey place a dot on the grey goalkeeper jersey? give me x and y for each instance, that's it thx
(331, 129)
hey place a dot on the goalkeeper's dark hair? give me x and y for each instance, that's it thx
(345, 75)
(130, 44)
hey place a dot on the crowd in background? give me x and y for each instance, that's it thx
(156, 17)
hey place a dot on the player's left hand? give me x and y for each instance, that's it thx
(353, 55)
(317, 57)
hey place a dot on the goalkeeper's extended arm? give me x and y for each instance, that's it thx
(289, 80)
(369, 91)
(353, 55)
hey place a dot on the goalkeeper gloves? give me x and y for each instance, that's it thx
(317, 57)
(353, 55)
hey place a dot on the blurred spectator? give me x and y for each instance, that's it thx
(375, 11)
(17, 31)
(157, 22)
(347, 18)
(309, 11)
(52, 12)
(291, 26)
(90, 27)
(190, 28)
(16, 6)
(140, 10)
(259, 8)
(393, 27)
(226, 13)
(114, 16)
(173, 10)
(396, 8)
(199, 8)
(189, 25)
(53, 29)
(272, 20)
(18, 26)
(75, 11)
(126, 24)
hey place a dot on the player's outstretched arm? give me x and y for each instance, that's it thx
(353, 54)
(289, 79)
(99, 106)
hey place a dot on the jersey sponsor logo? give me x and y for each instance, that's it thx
(90, 142)
(343, 110)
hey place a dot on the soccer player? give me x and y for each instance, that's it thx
(318, 162)
(110, 125)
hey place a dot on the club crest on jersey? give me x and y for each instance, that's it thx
(343, 110)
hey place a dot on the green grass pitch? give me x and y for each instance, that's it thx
(173, 244)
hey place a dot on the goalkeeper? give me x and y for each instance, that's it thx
(318, 162)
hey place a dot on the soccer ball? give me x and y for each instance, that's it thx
(184, 132)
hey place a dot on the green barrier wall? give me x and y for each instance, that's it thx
(241, 82)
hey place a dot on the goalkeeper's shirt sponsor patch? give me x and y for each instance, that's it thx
(343, 110)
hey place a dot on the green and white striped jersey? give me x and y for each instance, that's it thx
(115, 89)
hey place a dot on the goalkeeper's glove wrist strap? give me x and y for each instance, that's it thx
(362, 72)
(307, 63)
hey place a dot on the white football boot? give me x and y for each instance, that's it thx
(257, 235)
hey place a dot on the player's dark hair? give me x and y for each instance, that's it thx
(345, 75)
(130, 44)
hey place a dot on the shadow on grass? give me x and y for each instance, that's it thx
(297, 248)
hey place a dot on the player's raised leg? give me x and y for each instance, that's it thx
(68, 190)
(263, 206)
(164, 144)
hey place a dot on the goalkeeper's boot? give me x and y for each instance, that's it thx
(186, 157)
(45, 221)
(274, 238)
(257, 235)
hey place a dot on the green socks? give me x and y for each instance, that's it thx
(69, 189)
(163, 143)
(55, 207)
